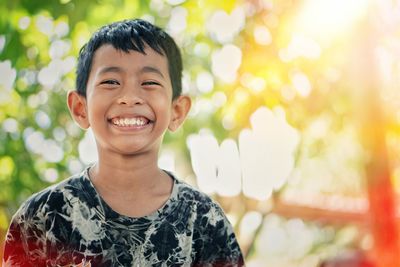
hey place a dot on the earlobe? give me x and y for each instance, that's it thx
(180, 109)
(77, 108)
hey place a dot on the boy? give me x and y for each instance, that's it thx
(124, 210)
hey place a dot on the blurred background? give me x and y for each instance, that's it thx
(294, 129)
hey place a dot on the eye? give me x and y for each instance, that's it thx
(151, 83)
(111, 82)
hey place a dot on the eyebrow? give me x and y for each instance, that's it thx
(110, 69)
(145, 69)
(150, 69)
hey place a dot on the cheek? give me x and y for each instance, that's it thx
(162, 101)
(96, 109)
(164, 113)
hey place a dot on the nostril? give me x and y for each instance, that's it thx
(130, 101)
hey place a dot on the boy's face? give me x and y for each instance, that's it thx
(128, 101)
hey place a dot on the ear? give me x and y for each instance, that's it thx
(180, 108)
(77, 108)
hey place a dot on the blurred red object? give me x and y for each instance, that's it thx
(352, 259)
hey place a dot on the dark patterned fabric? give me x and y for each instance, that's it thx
(69, 224)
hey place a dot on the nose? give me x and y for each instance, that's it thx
(130, 97)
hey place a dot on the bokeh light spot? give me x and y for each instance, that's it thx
(224, 27)
(177, 22)
(87, 148)
(205, 82)
(50, 175)
(8, 75)
(24, 23)
(42, 119)
(51, 151)
(262, 35)
(10, 125)
(301, 83)
(45, 24)
(225, 62)
(2, 42)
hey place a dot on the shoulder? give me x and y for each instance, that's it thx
(32, 227)
(194, 196)
(208, 211)
(52, 197)
(214, 241)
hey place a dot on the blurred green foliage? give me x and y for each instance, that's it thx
(35, 111)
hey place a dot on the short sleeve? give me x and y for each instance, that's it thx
(219, 244)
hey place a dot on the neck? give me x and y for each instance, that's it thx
(126, 173)
(133, 186)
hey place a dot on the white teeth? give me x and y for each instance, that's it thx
(129, 121)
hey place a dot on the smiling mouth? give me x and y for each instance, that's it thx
(130, 122)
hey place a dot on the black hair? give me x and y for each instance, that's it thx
(128, 35)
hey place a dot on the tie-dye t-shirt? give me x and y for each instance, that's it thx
(69, 224)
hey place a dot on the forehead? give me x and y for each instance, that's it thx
(108, 56)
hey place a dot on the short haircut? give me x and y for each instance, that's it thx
(129, 35)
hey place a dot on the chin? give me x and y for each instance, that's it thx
(134, 151)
